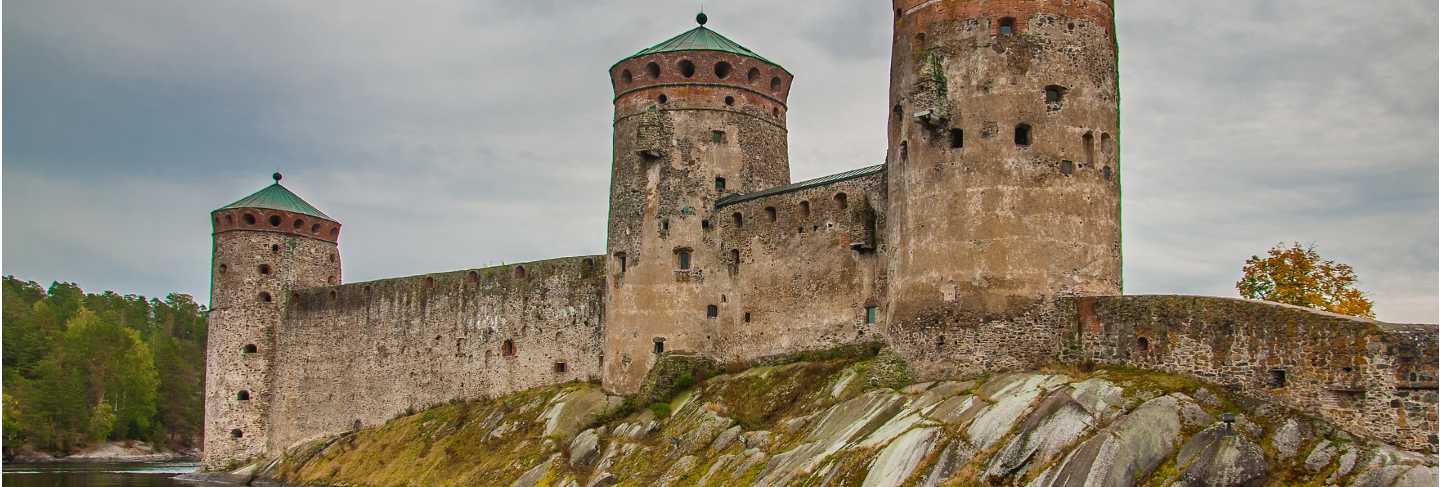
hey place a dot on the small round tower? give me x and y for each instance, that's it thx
(1004, 171)
(265, 245)
(697, 117)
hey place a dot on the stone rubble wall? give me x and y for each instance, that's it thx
(1372, 378)
(362, 353)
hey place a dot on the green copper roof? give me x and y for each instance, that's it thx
(276, 197)
(700, 39)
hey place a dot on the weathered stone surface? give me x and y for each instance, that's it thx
(899, 459)
(1288, 438)
(583, 449)
(725, 439)
(1320, 456)
(1219, 456)
(952, 459)
(832, 431)
(1128, 449)
(532, 477)
(1013, 394)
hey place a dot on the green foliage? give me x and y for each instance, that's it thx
(83, 368)
(661, 410)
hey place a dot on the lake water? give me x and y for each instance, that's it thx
(97, 474)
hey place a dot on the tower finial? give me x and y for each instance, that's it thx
(701, 18)
(276, 177)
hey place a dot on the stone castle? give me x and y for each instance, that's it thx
(989, 239)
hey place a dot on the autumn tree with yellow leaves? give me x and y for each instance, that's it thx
(1297, 275)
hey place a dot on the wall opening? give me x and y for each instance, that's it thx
(1277, 378)
(899, 114)
(904, 150)
(429, 282)
(264, 269)
(804, 209)
(274, 248)
(242, 396)
(940, 343)
(249, 348)
(265, 297)
(1089, 143)
(507, 349)
(752, 75)
(770, 213)
(315, 228)
(1142, 344)
(738, 218)
(712, 312)
(627, 77)
(560, 367)
(275, 220)
(653, 70)
(587, 268)
(663, 99)
(519, 272)
(717, 136)
(1107, 148)
(734, 261)
(1007, 26)
(299, 224)
(356, 425)
(682, 259)
(705, 225)
(1022, 135)
(729, 101)
(872, 314)
(747, 316)
(1067, 167)
(249, 220)
(1054, 96)
(842, 201)
(621, 262)
(775, 84)
(957, 138)
(333, 294)
(237, 434)
(719, 185)
(229, 219)
(722, 70)
(687, 68)
(473, 277)
(224, 268)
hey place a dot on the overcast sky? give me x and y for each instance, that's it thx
(448, 134)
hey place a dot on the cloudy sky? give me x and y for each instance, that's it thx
(457, 133)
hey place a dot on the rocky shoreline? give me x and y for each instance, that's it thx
(109, 452)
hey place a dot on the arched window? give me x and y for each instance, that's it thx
(620, 261)
(229, 219)
(429, 282)
(719, 185)
(507, 349)
(753, 75)
(627, 77)
(1007, 26)
(249, 220)
(682, 259)
(841, 201)
(1022, 135)
(1142, 344)
(1088, 141)
(687, 68)
(1054, 95)
(265, 297)
(1107, 148)
(712, 312)
(237, 434)
(739, 219)
(249, 348)
(659, 346)
(242, 396)
(770, 213)
(519, 272)
(653, 70)
(804, 209)
(775, 83)
(735, 261)
(315, 228)
(722, 70)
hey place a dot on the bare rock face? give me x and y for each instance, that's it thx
(583, 450)
(1219, 456)
(1128, 449)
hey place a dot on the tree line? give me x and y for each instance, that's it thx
(83, 368)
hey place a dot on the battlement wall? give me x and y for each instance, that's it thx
(359, 354)
(1372, 378)
(801, 266)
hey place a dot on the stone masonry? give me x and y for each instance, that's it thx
(988, 240)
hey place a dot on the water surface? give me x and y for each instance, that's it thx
(97, 474)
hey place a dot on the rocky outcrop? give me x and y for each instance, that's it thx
(846, 422)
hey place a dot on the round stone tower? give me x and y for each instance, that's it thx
(265, 245)
(1004, 176)
(697, 117)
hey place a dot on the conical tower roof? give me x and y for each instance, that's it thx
(700, 39)
(277, 197)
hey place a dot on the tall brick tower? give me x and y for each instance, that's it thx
(697, 117)
(264, 245)
(1004, 175)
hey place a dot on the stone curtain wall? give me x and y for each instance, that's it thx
(803, 278)
(1372, 378)
(362, 353)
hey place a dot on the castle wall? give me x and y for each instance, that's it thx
(1372, 378)
(804, 279)
(362, 353)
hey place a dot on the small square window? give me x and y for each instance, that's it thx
(717, 136)
(957, 138)
(872, 314)
(712, 312)
(560, 367)
(719, 184)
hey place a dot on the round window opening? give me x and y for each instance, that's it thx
(653, 70)
(753, 75)
(249, 219)
(663, 99)
(687, 68)
(722, 70)
(299, 224)
(315, 228)
(729, 101)
(627, 77)
(275, 220)
(775, 84)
